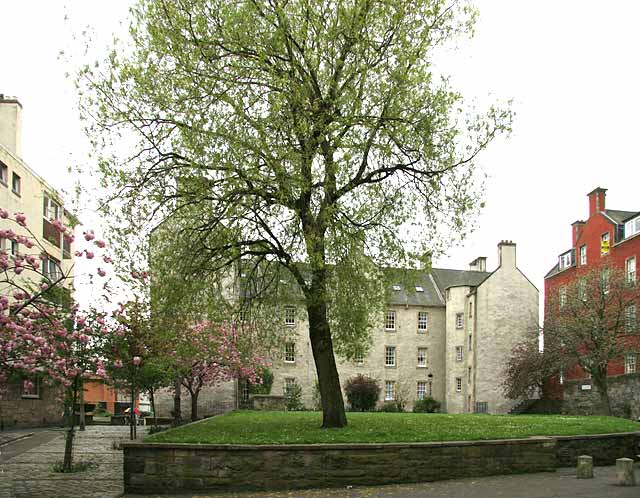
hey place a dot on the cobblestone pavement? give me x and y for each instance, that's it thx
(30, 474)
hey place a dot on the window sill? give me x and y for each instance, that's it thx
(422, 366)
(289, 362)
(2, 182)
(30, 396)
(389, 330)
(390, 366)
(422, 331)
(16, 193)
(290, 324)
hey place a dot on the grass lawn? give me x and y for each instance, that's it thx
(252, 427)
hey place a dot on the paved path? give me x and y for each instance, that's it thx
(560, 484)
(29, 474)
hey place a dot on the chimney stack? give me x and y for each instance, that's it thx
(576, 231)
(11, 124)
(478, 264)
(507, 253)
(596, 200)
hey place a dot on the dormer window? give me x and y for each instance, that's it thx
(632, 227)
(564, 260)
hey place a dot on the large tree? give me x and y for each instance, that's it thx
(591, 322)
(311, 137)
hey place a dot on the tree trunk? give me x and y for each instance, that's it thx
(603, 390)
(177, 407)
(153, 406)
(71, 421)
(194, 405)
(333, 414)
(132, 415)
(82, 418)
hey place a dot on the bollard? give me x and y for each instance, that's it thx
(585, 467)
(624, 472)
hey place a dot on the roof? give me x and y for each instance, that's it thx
(433, 284)
(456, 278)
(620, 216)
(407, 282)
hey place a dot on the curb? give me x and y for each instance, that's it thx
(16, 438)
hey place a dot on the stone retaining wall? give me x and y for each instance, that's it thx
(169, 468)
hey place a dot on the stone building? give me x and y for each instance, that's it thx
(23, 190)
(448, 336)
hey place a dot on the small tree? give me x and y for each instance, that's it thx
(264, 381)
(210, 353)
(591, 321)
(362, 392)
(529, 367)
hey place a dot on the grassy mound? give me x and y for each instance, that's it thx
(251, 427)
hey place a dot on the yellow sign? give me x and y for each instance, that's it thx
(604, 247)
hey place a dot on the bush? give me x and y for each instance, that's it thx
(426, 405)
(266, 376)
(393, 406)
(362, 393)
(293, 398)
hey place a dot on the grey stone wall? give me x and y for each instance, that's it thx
(211, 401)
(165, 468)
(624, 396)
(16, 411)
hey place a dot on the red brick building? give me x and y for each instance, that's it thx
(610, 238)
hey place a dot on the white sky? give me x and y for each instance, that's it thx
(571, 67)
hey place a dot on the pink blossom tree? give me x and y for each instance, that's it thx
(210, 353)
(43, 336)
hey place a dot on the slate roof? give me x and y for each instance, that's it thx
(620, 216)
(455, 278)
(433, 288)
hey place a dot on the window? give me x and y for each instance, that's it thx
(469, 375)
(470, 343)
(30, 388)
(459, 353)
(421, 390)
(470, 310)
(630, 363)
(565, 260)
(562, 296)
(458, 384)
(583, 255)
(459, 320)
(390, 356)
(630, 318)
(51, 210)
(51, 268)
(630, 267)
(422, 357)
(290, 352)
(289, 384)
(482, 407)
(632, 227)
(582, 289)
(359, 358)
(246, 391)
(15, 184)
(604, 244)
(389, 390)
(4, 174)
(15, 248)
(289, 315)
(423, 321)
(390, 320)
(604, 280)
